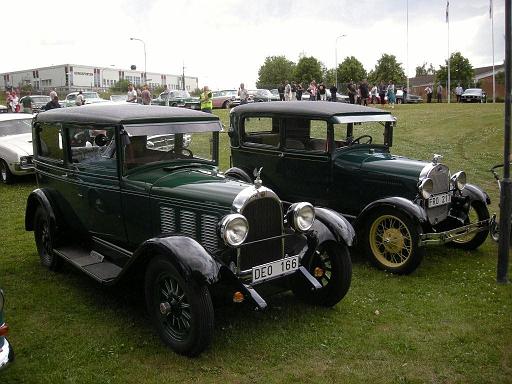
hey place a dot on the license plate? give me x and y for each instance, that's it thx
(274, 269)
(441, 199)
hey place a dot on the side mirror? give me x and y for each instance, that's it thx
(100, 140)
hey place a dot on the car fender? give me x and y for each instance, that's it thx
(187, 255)
(476, 193)
(330, 225)
(416, 213)
(38, 197)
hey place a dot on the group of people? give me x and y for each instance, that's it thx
(363, 94)
(439, 90)
(13, 101)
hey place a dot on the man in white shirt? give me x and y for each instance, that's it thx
(458, 92)
(79, 99)
(131, 95)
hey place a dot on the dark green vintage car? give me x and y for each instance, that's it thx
(177, 98)
(338, 156)
(118, 206)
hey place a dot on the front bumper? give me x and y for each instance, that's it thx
(6, 354)
(20, 170)
(453, 234)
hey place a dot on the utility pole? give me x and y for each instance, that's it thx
(183, 75)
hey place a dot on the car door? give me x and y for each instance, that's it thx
(92, 171)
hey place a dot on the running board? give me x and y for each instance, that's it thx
(92, 263)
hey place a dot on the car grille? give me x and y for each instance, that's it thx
(440, 175)
(265, 220)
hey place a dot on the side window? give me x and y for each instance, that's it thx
(50, 141)
(92, 146)
(304, 134)
(261, 130)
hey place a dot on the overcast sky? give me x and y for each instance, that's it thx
(224, 42)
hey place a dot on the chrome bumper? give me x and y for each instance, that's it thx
(6, 354)
(453, 234)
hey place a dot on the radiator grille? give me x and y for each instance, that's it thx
(265, 220)
(167, 220)
(188, 223)
(209, 236)
(440, 175)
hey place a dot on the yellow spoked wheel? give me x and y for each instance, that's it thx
(477, 212)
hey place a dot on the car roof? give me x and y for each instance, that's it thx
(122, 114)
(15, 116)
(322, 109)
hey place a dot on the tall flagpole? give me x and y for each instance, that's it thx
(448, 23)
(491, 15)
(407, 52)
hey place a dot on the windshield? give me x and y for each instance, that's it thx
(15, 127)
(118, 97)
(91, 95)
(474, 91)
(40, 99)
(170, 143)
(371, 132)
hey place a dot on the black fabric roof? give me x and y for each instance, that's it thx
(110, 113)
(324, 109)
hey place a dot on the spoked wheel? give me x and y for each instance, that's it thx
(391, 240)
(332, 267)
(45, 240)
(477, 212)
(5, 173)
(181, 311)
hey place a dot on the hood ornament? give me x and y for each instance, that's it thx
(436, 158)
(257, 180)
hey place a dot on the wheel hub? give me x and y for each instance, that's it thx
(165, 308)
(393, 240)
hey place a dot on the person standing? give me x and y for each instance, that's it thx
(322, 92)
(294, 91)
(79, 101)
(404, 97)
(243, 94)
(351, 90)
(391, 94)
(374, 92)
(458, 92)
(280, 90)
(52, 104)
(363, 90)
(131, 96)
(287, 91)
(299, 91)
(206, 100)
(27, 103)
(439, 93)
(312, 91)
(146, 96)
(334, 93)
(428, 91)
(14, 102)
(382, 93)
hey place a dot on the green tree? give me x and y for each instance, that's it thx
(274, 71)
(307, 69)
(351, 69)
(120, 86)
(461, 71)
(387, 68)
(329, 77)
(423, 70)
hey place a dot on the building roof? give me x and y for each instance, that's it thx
(479, 73)
(113, 113)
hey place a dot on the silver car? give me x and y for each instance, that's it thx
(15, 146)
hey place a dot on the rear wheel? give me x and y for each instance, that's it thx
(5, 173)
(332, 267)
(226, 105)
(45, 235)
(391, 241)
(181, 310)
(477, 212)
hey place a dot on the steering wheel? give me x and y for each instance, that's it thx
(358, 140)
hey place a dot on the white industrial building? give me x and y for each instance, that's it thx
(73, 77)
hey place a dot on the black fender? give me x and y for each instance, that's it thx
(238, 174)
(416, 213)
(38, 198)
(187, 255)
(331, 225)
(476, 193)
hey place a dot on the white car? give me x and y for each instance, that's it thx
(15, 146)
(90, 97)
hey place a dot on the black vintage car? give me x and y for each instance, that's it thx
(121, 205)
(338, 156)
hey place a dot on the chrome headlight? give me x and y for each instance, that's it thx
(25, 161)
(234, 229)
(1, 300)
(426, 187)
(301, 216)
(459, 180)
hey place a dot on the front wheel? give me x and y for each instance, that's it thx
(391, 241)
(330, 264)
(45, 234)
(5, 173)
(181, 310)
(477, 212)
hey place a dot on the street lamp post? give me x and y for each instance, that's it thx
(336, 60)
(142, 41)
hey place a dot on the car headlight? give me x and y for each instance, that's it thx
(301, 216)
(25, 161)
(426, 187)
(2, 300)
(459, 180)
(234, 229)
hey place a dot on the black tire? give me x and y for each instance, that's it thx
(45, 237)
(186, 322)
(390, 239)
(399, 101)
(238, 174)
(332, 267)
(5, 173)
(477, 212)
(226, 105)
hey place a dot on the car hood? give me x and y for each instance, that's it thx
(198, 186)
(22, 143)
(391, 165)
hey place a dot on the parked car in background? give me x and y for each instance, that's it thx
(118, 98)
(38, 102)
(473, 95)
(411, 99)
(275, 94)
(227, 98)
(6, 351)
(123, 208)
(90, 97)
(3, 109)
(177, 98)
(15, 146)
(260, 95)
(339, 97)
(338, 155)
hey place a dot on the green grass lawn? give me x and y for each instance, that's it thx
(449, 322)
